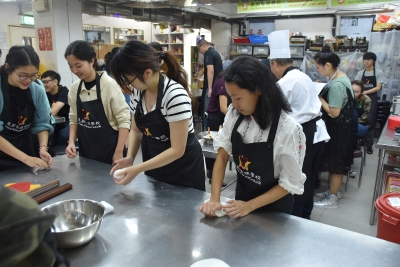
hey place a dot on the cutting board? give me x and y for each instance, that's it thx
(23, 186)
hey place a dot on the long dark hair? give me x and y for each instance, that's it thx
(20, 56)
(326, 55)
(82, 50)
(134, 57)
(252, 75)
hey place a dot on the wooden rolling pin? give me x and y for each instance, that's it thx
(53, 193)
(34, 191)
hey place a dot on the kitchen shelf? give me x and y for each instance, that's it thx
(166, 39)
(123, 35)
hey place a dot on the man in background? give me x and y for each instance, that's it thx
(212, 67)
(58, 100)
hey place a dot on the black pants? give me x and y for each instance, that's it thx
(214, 121)
(309, 129)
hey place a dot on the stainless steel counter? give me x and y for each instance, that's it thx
(156, 224)
(386, 145)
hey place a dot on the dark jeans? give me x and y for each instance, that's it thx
(214, 121)
(370, 137)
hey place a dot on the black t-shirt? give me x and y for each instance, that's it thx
(60, 96)
(212, 57)
(89, 85)
(18, 96)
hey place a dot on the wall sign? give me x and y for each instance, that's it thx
(358, 2)
(356, 26)
(268, 5)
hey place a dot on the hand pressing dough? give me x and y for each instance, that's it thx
(118, 174)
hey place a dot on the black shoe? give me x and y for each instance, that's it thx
(369, 150)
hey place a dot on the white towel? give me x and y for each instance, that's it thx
(108, 207)
(219, 213)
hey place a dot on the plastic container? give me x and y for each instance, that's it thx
(241, 40)
(393, 122)
(258, 39)
(388, 217)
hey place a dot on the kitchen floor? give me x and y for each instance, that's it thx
(354, 206)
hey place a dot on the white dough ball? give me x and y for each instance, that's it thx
(118, 174)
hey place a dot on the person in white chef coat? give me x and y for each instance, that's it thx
(267, 144)
(304, 101)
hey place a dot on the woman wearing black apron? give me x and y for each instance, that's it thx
(373, 79)
(266, 142)
(337, 111)
(23, 110)
(162, 117)
(99, 116)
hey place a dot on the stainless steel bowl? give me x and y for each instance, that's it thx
(207, 141)
(77, 221)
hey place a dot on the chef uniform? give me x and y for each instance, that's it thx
(187, 170)
(97, 139)
(17, 123)
(302, 96)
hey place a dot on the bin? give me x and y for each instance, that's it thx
(388, 217)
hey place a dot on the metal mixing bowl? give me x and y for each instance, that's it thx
(207, 141)
(77, 221)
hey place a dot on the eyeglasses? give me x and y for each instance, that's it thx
(47, 81)
(128, 83)
(26, 77)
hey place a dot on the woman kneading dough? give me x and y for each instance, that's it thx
(266, 142)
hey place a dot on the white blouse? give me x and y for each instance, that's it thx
(289, 146)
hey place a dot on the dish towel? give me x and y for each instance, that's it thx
(219, 213)
(108, 207)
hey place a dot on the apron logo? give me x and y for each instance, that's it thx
(146, 131)
(367, 81)
(21, 120)
(85, 114)
(244, 163)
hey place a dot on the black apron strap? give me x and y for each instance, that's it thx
(160, 93)
(238, 122)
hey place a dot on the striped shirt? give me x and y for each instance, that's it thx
(176, 104)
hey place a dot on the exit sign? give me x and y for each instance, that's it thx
(27, 20)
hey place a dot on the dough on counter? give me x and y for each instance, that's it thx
(210, 263)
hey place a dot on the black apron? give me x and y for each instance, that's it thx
(185, 171)
(255, 169)
(97, 139)
(17, 124)
(369, 83)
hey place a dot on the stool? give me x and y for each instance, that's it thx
(357, 154)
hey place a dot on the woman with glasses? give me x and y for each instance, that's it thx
(162, 116)
(23, 110)
(99, 116)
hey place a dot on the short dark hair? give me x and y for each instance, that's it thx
(326, 55)
(202, 42)
(370, 55)
(359, 83)
(282, 61)
(255, 76)
(20, 56)
(82, 50)
(52, 74)
(156, 46)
